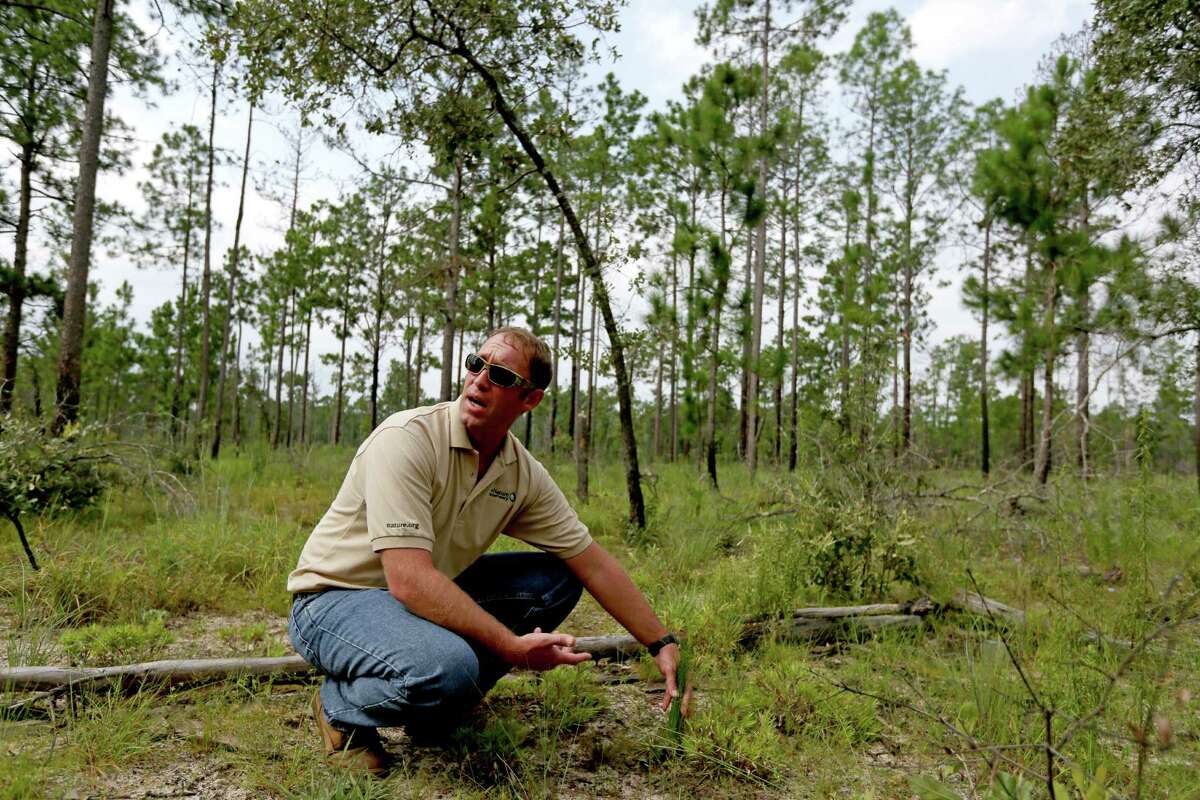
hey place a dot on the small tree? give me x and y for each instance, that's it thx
(40, 473)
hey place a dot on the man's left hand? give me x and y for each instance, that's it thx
(668, 664)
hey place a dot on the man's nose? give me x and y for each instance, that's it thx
(479, 380)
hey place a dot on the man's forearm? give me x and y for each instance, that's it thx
(608, 582)
(431, 595)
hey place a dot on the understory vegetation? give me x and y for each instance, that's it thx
(1106, 571)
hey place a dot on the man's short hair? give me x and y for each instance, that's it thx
(541, 367)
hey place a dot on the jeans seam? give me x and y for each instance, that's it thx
(295, 628)
(393, 699)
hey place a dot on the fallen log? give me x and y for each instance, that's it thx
(802, 626)
(818, 630)
(919, 607)
(975, 603)
(182, 671)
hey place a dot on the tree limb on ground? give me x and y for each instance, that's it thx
(801, 626)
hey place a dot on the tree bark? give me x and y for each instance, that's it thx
(230, 292)
(1045, 446)
(308, 318)
(177, 384)
(674, 354)
(1083, 416)
(206, 275)
(70, 347)
(985, 456)
(781, 291)
(551, 428)
(283, 326)
(343, 334)
(760, 255)
(16, 296)
(451, 288)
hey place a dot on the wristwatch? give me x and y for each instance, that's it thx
(654, 647)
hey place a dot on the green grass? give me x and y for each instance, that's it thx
(776, 721)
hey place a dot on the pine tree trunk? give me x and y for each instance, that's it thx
(308, 318)
(593, 364)
(1082, 393)
(985, 431)
(1045, 446)
(690, 376)
(551, 428)
(451, 289)
(237, 391)
(747, 324)
(206, 275)
(1196, 411)
(710, 427)
(674, 355)
(760, 254)
(277, 430)
(781, 290)
(230, 293)
(293, 355)
(343, 334)
(419, 364)
(658, 408)
(16, 296)
(177, 384)
(70, 348)
(576, 353)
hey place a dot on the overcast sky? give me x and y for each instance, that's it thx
(989, 47)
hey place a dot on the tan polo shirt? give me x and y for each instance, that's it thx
(412, 484)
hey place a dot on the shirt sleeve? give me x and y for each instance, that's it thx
(397, 470)
(547, 521)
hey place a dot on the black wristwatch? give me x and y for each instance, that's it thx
(655, 647)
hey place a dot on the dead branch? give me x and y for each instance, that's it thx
(975, 603)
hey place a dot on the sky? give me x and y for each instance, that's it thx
(989, 47)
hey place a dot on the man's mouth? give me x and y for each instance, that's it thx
(476, 402)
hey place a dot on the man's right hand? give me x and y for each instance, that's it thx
(542, 651)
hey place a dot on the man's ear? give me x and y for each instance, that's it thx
(533, 397)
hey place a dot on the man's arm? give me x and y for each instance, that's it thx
(608, 582)
(413, 580)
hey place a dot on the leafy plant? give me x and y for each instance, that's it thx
(40, 473)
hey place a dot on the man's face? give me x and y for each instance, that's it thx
(489, 409)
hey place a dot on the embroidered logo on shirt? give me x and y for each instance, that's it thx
(499, 495)
(410, 526)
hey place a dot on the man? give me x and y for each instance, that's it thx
(395, 601)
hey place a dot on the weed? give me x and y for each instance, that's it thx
(102, 645)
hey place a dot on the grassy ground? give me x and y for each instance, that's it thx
(939, 712)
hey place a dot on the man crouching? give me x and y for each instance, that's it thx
(394, 599)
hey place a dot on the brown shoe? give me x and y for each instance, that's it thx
(360, 750)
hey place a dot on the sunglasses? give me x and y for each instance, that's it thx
(501, 376)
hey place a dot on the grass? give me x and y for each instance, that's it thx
(122, 580)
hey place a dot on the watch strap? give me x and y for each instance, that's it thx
(655, 647)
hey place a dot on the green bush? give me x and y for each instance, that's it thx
(40, 473)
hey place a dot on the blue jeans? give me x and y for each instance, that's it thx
(386, 666)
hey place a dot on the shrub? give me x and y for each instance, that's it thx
(41, 473)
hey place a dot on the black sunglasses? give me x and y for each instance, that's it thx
(501, 376)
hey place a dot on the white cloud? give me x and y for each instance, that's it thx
(947, 30)
(658, 49)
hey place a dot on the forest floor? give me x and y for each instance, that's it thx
(1107, 570)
